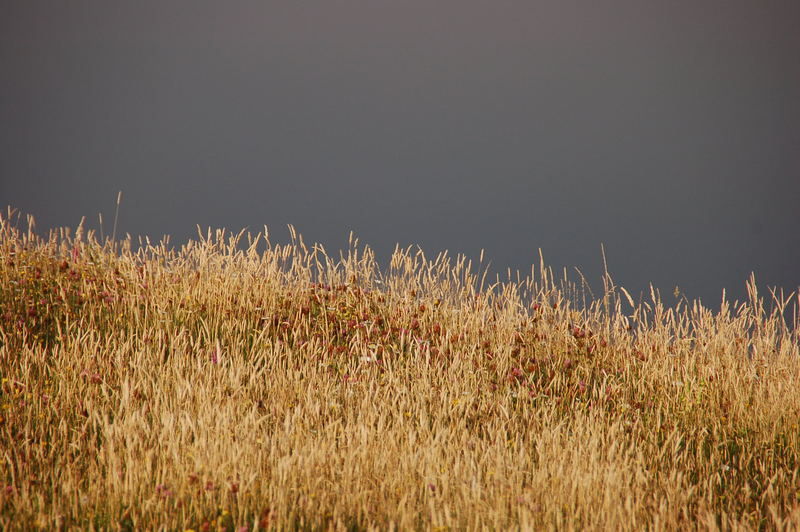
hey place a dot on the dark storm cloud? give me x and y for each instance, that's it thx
(669, 133)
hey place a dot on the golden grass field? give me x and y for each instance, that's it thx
(240, 385)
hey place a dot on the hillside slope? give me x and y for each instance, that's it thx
(235, 383)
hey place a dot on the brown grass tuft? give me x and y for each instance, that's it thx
(235, 383)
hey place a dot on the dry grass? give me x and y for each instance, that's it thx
(231, 384)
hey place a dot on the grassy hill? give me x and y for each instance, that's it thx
(238, 384)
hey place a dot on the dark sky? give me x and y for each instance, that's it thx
(669, 131)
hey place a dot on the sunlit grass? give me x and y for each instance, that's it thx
(238, 384)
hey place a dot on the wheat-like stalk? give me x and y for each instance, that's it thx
(237, 383)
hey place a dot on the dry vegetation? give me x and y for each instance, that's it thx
(238, 384)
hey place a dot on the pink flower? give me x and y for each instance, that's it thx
(163, 491)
